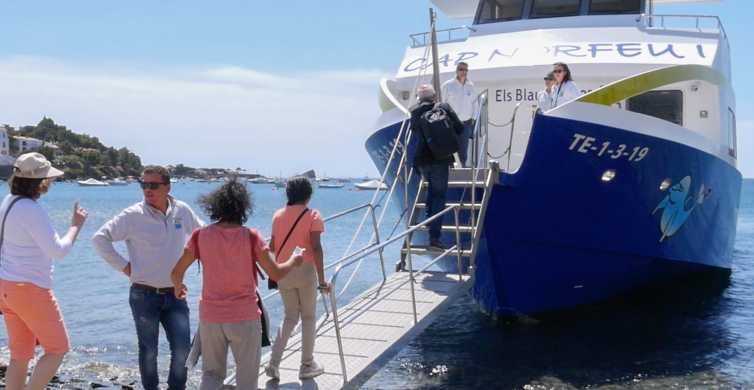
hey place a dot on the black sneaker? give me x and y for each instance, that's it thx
(437, 245)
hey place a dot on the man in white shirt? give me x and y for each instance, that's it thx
(155, 232)
(460, 94)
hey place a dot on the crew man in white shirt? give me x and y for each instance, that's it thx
(155, 231)
(460, 94)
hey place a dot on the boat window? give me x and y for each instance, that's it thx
(555, 8)
(491, 11)
(667, 105)
(602, 7)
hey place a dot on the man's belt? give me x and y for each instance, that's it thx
(468, 121)
(158, 290)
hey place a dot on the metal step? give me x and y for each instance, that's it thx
(465, 206)
(465, 174)
(424, 251)
(449, 228)
(461, 184)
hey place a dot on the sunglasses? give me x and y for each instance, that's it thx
(558, 71)
(463, 70)
(150, 185)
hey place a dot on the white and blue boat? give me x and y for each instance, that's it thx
(634, 183)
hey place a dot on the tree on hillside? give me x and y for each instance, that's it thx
(112, 155)
(79, 154)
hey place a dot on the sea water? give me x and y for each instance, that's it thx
(685, 338)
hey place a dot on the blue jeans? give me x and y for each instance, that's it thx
(463, 144)
(150, 309)
(436, 175)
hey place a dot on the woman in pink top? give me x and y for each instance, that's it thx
(297, 226)
(229, 313)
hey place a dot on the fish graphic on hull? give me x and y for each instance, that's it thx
(677, 206)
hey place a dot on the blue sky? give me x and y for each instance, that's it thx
(269, 86)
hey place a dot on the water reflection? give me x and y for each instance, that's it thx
(676, 336)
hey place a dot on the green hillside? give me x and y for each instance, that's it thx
(80, 155)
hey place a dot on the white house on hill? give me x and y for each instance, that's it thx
(4, 142)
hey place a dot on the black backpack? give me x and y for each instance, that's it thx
(438, 133)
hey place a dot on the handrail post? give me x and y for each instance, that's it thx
(510, 140)
(377, 238)
(411, 280)
(336, 323)
(486, 127)
(458, 243)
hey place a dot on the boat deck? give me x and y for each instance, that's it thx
(374, 326)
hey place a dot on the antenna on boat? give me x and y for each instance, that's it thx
(435, 64)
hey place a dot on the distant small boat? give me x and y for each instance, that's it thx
(280, 183)
(92, 183)
(116, 182)
(336, 184)
(371, 185)
(261, 180)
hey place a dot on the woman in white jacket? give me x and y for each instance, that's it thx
(565, 89)
(29, 245)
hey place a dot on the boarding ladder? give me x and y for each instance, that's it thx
(469, 191)
(353, 337)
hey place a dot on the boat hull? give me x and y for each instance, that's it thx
(556, 235)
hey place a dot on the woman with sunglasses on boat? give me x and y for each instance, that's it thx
(565, 89)
(229, 313)
(28, 245)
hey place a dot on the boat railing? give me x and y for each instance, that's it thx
(511, 124)
(700, 23)
(454, 34)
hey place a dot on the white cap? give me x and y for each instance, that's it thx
(34, 166)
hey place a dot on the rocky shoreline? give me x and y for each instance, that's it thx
(64, 382)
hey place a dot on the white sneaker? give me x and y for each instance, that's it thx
(272, 372)
(310, 370)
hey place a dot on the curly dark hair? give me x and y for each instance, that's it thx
(230, 203)
(299, 190)
(31, 188)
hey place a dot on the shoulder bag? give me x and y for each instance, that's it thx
(271, 284)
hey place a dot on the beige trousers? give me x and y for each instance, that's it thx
(299, 292)
(244, 339)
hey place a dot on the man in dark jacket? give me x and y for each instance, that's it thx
(435, 170)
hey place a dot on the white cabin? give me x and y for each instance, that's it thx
(512, 44)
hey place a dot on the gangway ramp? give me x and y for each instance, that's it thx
(373, 327)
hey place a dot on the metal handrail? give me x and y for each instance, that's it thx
(649, 18)
(421, 39)
(476, 133)
(388, 164)
(359, 255)
(512, 124)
